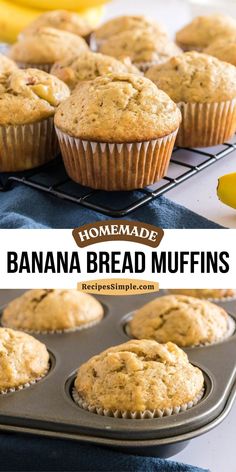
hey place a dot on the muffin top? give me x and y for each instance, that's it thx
(46, 46)
(195, 77)
(7, 66)
(30, 95)
(127, 23)
(205, 292)
(118, 108)
(52, 310)
(184, 320)
(87, 66)
(223, 49)
(23, 359)
(141, 46)
(203, 30)
(138, 376)
(60, 19)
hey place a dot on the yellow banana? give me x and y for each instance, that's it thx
(226, 189)
(14, 18)
(72, 5)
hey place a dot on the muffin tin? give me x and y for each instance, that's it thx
(47, 408)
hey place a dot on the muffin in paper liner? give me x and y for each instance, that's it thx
(24, 147)
(206, 124)
(26, 385)
(28, 65)
(59, 331)
(228, 334)
(136, 415)
(222, 299)
(113, 166)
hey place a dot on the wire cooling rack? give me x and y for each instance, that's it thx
(52, 179)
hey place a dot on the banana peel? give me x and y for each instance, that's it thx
(226, 189)
(14, 18)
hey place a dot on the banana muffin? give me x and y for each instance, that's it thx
(212, 293)
(143, 47)
(203, 30)
(223, 49)
(186, 321)
(117, 132)
(205, 90)
(125, 23)
(87, 66)
(52, 310)
(28, 100)
(24, 360)
(60, 19)
(44, 47)
(7, 66)
(139, 379)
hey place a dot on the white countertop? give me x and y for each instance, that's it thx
(199, 193)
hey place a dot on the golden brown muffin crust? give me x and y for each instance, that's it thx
(46, 46)
(60, 19)
(30, 95)
(205, 292)
(7, 66)
(184, 320)
(138, 376)
(87, 66)
(127, 23)
(194, 77)
(118, 108)
(223, 49)
(51, 310)
(203, 30)
(23, 359)
(141, 46)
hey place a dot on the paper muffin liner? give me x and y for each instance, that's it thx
(24, 147)
(58, 331)
(26, 385)
(30, 65)
(145, 66)
(107, 166)
(206, 124)
(94, 44)
(187, 48)
(136, 415)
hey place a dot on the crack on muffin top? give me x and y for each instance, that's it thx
(29, 96)
(52, 310)
(181, 319)
(194, 77)
(47, 46)
(133, 109)
(139, 375)
(88, 66)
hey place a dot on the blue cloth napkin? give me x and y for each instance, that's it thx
(23, 207)
(24, 453)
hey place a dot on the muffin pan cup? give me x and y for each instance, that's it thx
(47, 408)
(116, 166)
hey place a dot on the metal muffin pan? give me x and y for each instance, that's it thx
(48, 409)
